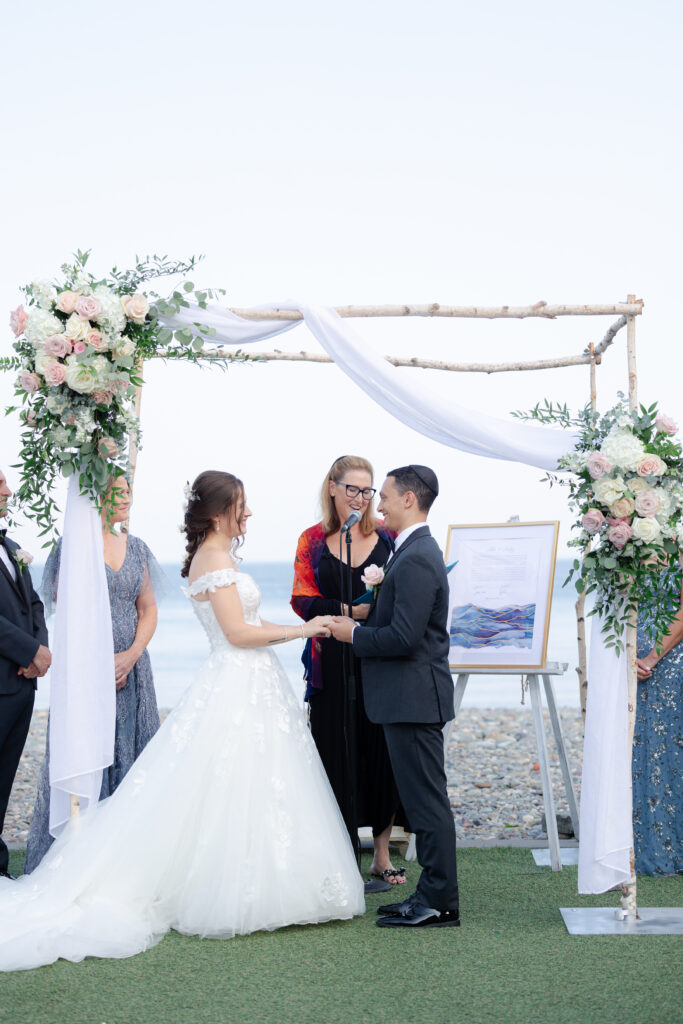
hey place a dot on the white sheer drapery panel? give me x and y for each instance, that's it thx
(424, 410)
(606, 818)
(82, 681)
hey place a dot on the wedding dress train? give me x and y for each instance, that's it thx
(225, 825)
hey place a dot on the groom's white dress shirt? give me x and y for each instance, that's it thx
(8, 562)
(403, 536)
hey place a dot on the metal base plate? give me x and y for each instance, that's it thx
(604, 921)
(568, 855)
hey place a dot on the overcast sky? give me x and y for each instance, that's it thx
(370, 152)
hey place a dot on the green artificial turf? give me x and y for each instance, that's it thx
(512, 961)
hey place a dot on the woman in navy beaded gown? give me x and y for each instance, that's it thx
(657, 742)
(133, 578)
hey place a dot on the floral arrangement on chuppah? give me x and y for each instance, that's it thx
(80, 343)
(626, 488)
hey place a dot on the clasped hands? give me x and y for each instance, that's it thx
(338, 626)
(645, 665)
(42, 660)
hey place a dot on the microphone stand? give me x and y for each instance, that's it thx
(350, 712)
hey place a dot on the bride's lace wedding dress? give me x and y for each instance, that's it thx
(225, 825)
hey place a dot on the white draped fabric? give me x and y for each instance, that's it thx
(82, 684)
(606, 828)
(605, 807)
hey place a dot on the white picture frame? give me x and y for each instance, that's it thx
(500, 593)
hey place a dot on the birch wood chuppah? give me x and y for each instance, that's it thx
(626, 313)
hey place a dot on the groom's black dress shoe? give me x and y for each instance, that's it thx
(392, 909)
(6, 874)
(417, 915)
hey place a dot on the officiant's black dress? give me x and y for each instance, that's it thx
(377, 800)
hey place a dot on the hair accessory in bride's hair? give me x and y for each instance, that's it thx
(190, 495)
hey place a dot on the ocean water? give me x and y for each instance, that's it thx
(179, 645)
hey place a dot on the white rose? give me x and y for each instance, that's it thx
(637, 485)
(608, 491)
(623, 449)
(44, 361)
(123, 347)
(40, 325)
(646, 530)
(76, 329)
(82, 377)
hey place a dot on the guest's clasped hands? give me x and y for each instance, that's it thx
(42, 660)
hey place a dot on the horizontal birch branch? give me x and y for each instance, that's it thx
(218, 354)
(539, 309)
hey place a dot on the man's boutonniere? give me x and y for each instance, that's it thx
(23, 558)
(373, 577)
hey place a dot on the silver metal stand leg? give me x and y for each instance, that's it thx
(562, 752)
(548, 800)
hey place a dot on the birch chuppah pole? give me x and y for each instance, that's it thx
(629, 905)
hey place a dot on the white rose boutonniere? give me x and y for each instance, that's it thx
(23, 558)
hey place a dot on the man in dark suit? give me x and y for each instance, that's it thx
(407, 687)
(24, 656)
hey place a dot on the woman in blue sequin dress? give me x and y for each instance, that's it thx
(133, 579)
(657, 743)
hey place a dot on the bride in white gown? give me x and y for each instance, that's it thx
(226, 824)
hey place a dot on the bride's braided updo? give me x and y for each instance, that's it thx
(213, 494)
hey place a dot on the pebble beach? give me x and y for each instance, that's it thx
(492, 767)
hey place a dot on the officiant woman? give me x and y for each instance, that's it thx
(135, 582)
(347, 487)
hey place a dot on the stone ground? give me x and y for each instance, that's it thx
(494, 782)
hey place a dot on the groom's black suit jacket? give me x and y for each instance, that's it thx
(404, 643)
(22, 624)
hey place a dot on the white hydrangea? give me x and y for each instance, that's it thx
(112, 317)
(666, 507)
(623, 449)
(41, 325)
(43, 294)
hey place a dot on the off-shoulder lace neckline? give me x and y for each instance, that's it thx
(193, 587)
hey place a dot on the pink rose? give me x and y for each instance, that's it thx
(373, 576)
(619, 535)
(18, 319)
(30, 418)
(665, 425)
(592, 520)
(79, 348)
(102, 397)
(108, 446)
(648, 504)
(58, 345)
(136, 308)
(88, 307)
(55, 374)
(97, 340)
(598, 465)
(67, 301)
(29, 381)
(651, 465)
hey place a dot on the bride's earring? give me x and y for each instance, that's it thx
(217, 528)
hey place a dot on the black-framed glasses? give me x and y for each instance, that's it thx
(366, 493)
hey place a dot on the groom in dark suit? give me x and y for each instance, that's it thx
(24, 656)
(408, 688)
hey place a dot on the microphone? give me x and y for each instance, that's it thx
(354, 518)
